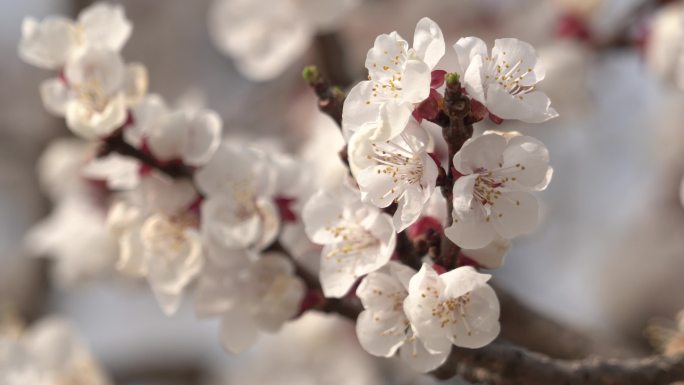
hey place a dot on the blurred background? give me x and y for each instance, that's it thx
(608, 256)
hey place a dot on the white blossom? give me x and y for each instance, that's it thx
(76, 225)
(493, 197)
(505, 80)
(383, 328)
(192, 137)
(239, 210)
(397, 170)
(399, 78)
(265, 38)
(95, 92)
(457, 307)
(51, 42)
(159, 237)
(250, 296)
(357, 238)
(301, 354)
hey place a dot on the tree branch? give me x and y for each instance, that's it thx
(116, 144)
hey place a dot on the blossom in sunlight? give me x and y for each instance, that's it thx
(493, 197)
(49, 353)
(397, 170)
(239, 210)
(264, 38)
(357, 238)
(457, 307)
(95, 92)
(191, 137)
(252, 294)
(505, 80)
(51, 42)
(399, 77)
(383, 327)
(434, 217)
(159, 237)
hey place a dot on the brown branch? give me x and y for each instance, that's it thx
(116, 144)
(332, 58)
(504, 364)
(330, 98)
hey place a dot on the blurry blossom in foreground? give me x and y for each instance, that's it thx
(265, 37)
(301, 354)
(74, 235)
(48, 353)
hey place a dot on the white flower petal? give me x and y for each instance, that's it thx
(120, 172)
(105, 25)
(419, 358)
(482, 315)
(47, 43)
(428, 42)
(466, 49)
(381, 333)
(529, 157)
(515, 213)
(482, 152)
(55, 95)
(203, 138)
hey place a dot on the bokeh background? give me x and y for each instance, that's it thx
(608, 257)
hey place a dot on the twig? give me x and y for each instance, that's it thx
(330, 98)
(116, 144)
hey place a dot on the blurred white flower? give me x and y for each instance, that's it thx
(192, 137)
(398, 78)
(383, 328)
(301, 354)
(239, 210)
(357, 238)
(51, 42)
(76, 225)
(504, 82)
(457, 307)
(492, 199)
(94, 92)
(264, 38)
(665, 44)
(49, 353)
(250, 296)
(397, 170)
(159, 237)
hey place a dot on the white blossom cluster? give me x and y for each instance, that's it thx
(228, 221)
(391, 156)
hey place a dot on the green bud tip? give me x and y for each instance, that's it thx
(310, 73)
(452, 78)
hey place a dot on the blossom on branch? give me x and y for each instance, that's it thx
(50, 43)
(251, 294)
(383, 327)
(399, 78)
(357, 238)
(457, 307)
(159, 237)
(394, 171)
(505, 80)
(493, 197)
